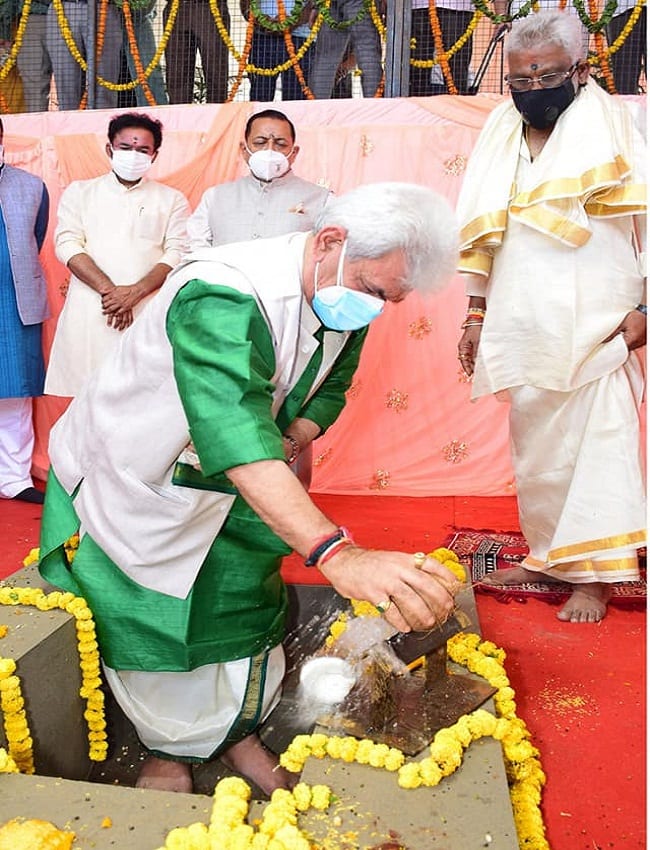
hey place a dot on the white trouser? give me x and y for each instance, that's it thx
(16, 446)
(190, 715)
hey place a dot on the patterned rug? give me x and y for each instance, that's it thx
(484, 551)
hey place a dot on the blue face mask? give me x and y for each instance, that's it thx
(343, 309)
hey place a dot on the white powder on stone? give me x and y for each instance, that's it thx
(327, 680)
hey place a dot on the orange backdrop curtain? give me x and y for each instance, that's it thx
(408, 427)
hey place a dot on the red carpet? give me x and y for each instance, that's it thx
(580, 688)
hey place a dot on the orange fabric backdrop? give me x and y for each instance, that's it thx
(408, 427)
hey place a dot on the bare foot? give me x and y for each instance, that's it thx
(587, 604)
(518, 575)
(165, 775)
(252, 759)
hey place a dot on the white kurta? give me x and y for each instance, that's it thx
(126, 232)
(551, 305)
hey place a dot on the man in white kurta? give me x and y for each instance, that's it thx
(119, 235)
(556, 304)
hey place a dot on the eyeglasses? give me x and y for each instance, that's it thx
(546, 81)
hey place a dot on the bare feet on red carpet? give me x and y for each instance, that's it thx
(165, 775)
(588, 604)
(255, 762)
(517, 575)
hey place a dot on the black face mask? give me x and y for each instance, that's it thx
(542, 107)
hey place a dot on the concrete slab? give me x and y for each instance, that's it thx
(44, 646)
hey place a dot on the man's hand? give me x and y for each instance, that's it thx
(119, 321)
(633, 327)
(121, 299)
(468, 348)
(412, 597)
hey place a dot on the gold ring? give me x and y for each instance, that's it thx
(384, 605)
(418, 559)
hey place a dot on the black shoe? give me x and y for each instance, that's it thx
(30, 494)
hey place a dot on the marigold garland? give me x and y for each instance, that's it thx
(89, 663)
(440, 48)
(429, 63)
(141, 77)
(10, 61)
(243, 58)
(590, 19)
(523, 768)
(627, 29)
(277, 830)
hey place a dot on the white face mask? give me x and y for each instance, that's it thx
(131, 165)
(268, 164)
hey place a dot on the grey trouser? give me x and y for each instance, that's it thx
(69, 78)
(330, 48)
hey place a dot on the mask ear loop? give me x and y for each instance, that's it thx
(339, 270)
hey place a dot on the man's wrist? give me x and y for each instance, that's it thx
(642, 308)
(295, 448)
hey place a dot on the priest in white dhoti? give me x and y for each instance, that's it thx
(552, 216)
(173, 465)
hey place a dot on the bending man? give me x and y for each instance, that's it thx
(174, 463)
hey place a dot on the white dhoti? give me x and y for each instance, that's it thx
(196, 715)
(579, 477)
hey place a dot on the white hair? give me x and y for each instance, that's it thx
(384, 217)
(547, 27)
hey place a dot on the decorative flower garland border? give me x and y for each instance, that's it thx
(19, 740)
(590, 19)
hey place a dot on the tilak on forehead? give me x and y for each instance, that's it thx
(534, 66)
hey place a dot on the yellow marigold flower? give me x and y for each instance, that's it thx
(363, 751)
(96, 735)
(507, 708)
(321, 797)
(229, 811)
(361, 608)
(7, 764)
(337, 628)
(378, 755)
(482, 723)
(462, 730)
(239, 839)
(318, 745)
(430, 772)
(443, 555)
(260, 841)
(288, 837)
(394, 759)
(349, 749)
(302, 796)
(7, 667)
(32, 558)
(12, 702)
(334, 747)
(234, 785)
(291, 764)
(273, 821)
(409, 776)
